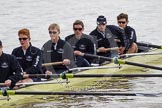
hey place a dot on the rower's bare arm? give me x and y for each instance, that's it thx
(101, 49)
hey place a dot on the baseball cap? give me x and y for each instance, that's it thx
(101, 19)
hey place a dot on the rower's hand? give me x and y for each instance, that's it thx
(77, 52)
(117, 40)
(8, 83)
(66, 61)
(48, 72)
(25, 75)
(121, 50)
(101, 49)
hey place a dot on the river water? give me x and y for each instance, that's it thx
(37, 15)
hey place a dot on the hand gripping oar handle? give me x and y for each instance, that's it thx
(119, 61)
(111, 49)
(149, 45)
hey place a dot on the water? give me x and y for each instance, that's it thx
(37, 15)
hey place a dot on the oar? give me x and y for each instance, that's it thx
(139, 54)
(52, 63)
(110, 49)
(88, 68)
(2, 84)
(119, 61)
(149, 45)
(12, 92)
(68, 75)
(37, 83)
(44, 82)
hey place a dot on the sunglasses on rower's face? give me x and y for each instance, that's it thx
(50, 32)
(80, 29)
(121, 22)
(23, 39)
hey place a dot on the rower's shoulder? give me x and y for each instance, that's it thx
(9, 56)
(69, 37)
(112, 27)
(17, 49)
(93, 32)
(129, 28)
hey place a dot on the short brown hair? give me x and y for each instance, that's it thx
(25, 32)
(78, 22)
(54, 26)
(122, 15)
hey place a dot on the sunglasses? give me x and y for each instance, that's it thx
(22, 39)
(50, 32)
(121, 22)
(80, 29)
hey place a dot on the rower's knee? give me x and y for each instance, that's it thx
(133, 48)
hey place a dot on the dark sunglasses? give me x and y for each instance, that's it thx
(123, 22)
(77, 29)
(50, 32)
(22, 39)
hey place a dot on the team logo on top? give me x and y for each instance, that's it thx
(19, 58)
(60, 50)
(49, 51)
(82, 47)
(108, 35)
(28, 58)
(4, 65)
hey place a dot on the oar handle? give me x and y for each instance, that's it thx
(110, 49)
(2, 84)
(52, 63)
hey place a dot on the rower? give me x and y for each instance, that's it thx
(131, 46)
(56, 50)
(29, 57)
(81, 43)
(10, 70)
(104, 37)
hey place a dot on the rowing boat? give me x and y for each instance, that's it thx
(79, 84)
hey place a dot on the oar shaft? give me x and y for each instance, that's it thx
(139, 54)
(143, 65)
(75, 93)
(115, 75)
(149, 45)
(119, 61)
(10, 92)
(98, 67)
(41, 75)
(67, 75)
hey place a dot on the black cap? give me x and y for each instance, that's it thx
(0, 43)
(101, 20)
